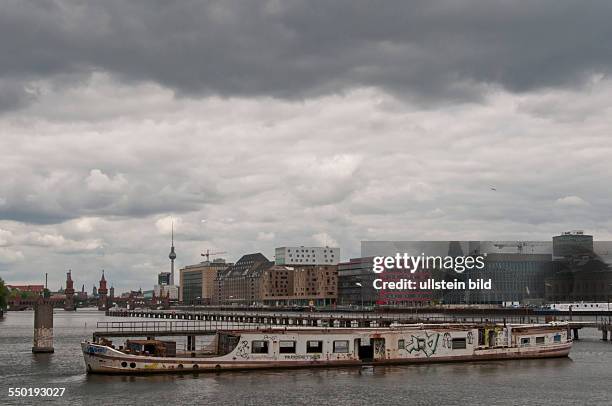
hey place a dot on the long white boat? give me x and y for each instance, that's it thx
(581, 307)
(290, 348)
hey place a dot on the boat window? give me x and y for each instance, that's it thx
(314, 346)
(227, 342)
(259, 347)
(458, 343)
(525, 341)
(558, 338)
(540, 340)
(401, 344)
(286, 347)
(341, 346)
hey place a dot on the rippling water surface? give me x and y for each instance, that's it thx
(584, 378)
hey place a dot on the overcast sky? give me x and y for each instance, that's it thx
(261, 124)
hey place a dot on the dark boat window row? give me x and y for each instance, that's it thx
(289, 347)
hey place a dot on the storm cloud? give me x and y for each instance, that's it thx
(423, 50)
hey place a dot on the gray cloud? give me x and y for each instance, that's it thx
(14, 95)
(55, 196)
(422, 50)
(88, 186)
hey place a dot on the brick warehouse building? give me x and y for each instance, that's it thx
(300, 285)
(241, 283)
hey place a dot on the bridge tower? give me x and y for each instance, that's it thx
(102, 294)
(69, 304)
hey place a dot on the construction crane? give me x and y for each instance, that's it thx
(520, 245)
(207, 254)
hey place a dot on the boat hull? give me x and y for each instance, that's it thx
(105, 360)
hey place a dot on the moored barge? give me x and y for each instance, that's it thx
(316, 347)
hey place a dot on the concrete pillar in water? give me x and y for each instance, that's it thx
(43, 327)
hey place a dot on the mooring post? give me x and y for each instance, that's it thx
(43, 327)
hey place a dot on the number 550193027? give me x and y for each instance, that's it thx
(36, 392)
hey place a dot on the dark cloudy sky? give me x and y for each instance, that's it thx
(260, 124)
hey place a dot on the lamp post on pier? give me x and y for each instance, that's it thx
(608, 294)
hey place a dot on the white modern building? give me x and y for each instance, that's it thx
(307, 256)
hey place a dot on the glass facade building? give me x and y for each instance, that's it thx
(350, 275)
(514, 278)
(191, 286)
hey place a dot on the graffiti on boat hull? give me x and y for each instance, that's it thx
(446, 340)
(426, 345)
(243, 350)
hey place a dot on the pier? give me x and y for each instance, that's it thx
(207, 322)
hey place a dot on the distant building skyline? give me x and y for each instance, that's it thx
(282, 254)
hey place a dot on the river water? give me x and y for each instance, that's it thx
(584, 378)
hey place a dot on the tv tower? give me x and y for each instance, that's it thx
(172, 257)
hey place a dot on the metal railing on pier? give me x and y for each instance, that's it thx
(333, 320)
(209, 326)
(174, 326)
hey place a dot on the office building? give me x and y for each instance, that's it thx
(314, 285)
(197, 282)
(163, 278)
(355, 282)
(572, 243)
(277, 285)
(514, 278)
(579, 273)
